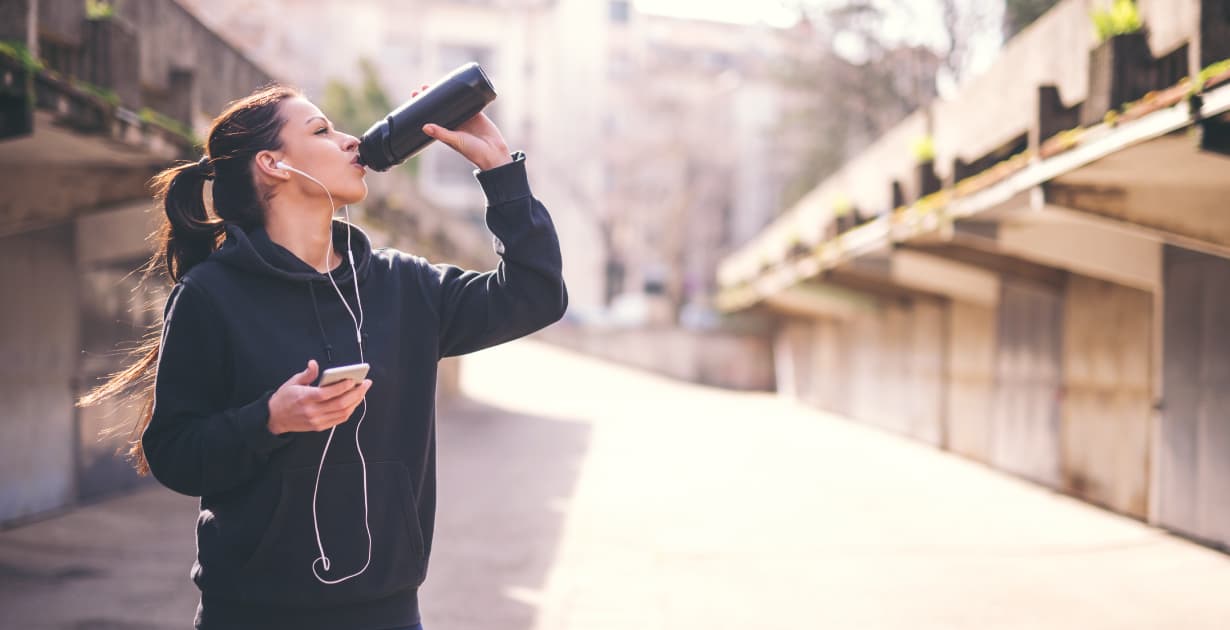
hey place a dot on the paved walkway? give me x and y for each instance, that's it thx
(576, 495)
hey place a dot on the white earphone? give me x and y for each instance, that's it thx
(358, 332)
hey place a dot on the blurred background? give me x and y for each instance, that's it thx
(994, 229)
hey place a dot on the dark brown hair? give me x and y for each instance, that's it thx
(191, 232)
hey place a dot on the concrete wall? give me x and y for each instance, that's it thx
(792, 360)
(886, 367)
(1054, 387)
(114, 306)
(62, 22)
(1107, 400)
(1060, 383)
(15, 20)
(173, 41)
(1028, 365)
(970, 379)
(743, 362)
(39, 342)
(830, 357)
(897, 367)
(1193, 440)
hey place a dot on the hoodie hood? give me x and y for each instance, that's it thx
(255, 252)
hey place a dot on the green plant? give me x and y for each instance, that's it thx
(1209, 72)
(22, 55)
(1068, 138)
(842, 206)
(32, 66)
(1121, 18)
(107, 95)
(176, 127)
(923, 149)
(99, 10)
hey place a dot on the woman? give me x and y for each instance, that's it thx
(298, 529)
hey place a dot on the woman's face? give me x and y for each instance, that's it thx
(312, 145)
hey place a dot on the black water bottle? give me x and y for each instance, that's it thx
(449, 102)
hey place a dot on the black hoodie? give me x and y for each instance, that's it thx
(244, 321)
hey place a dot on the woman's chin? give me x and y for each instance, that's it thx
(352, 196)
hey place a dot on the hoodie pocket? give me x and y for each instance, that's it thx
(280, 569)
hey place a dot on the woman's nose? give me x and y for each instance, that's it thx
(349, 142)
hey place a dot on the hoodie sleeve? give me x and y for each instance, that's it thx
(194, 444)
(525, 292)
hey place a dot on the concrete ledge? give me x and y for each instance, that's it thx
(741, 362)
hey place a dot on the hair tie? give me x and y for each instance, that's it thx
(206, 166)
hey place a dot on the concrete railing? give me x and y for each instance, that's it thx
(175, 42)
(863, 185)
(1042, 82)
(741, 362)
(145, 55)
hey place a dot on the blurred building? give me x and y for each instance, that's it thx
(650, 138)
(1042, 291)
(91, 106)
(544, 58)
(690, 167)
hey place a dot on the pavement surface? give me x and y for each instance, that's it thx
(578, 495)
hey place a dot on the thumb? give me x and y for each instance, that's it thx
(308, 376)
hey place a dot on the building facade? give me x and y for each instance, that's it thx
(1041, 294)
(92, 106)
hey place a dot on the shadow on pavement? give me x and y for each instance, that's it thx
(122, 563)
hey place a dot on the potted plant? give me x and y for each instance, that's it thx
(924, 166)
(1121, 65)
(17, 70)
(843, 214)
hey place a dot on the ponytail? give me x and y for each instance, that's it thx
(186, 238)
(191, 233)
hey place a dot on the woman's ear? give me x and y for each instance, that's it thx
(266, 163)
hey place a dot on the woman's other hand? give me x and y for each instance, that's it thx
(299, 406)
(477, 140)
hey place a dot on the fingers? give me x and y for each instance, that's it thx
(339, 410)
(298, 406)
(329, 421)
(329, 392)
(347, 401)
(307, 376)
(451, 138)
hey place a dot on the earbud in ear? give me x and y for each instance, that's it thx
(282, 165)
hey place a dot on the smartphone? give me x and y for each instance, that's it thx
(355, 372)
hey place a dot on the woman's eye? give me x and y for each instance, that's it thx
(322, 130)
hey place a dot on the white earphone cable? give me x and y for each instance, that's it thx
(358, 324)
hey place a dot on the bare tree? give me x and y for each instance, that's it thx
(857, 83)
(865, 77)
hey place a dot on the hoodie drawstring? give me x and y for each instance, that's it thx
(320, 325)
